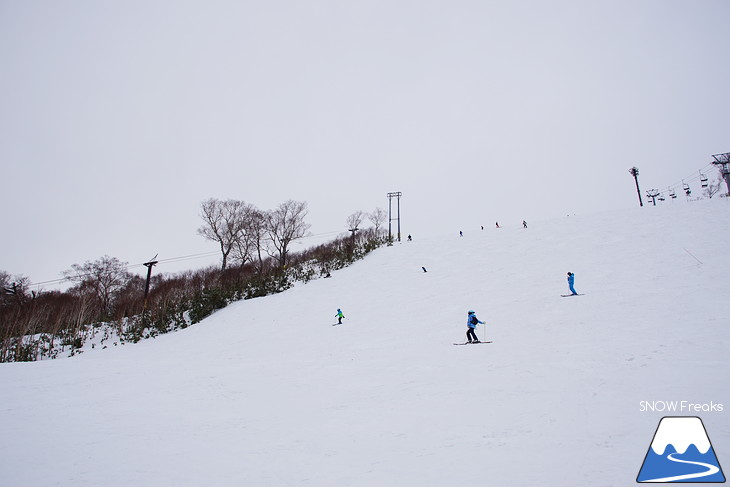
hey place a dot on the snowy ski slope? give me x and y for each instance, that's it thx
(268, 393)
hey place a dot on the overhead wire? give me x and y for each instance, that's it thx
(692, 178)
(160, 261)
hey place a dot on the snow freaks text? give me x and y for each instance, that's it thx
(679, 407)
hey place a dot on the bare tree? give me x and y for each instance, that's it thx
(353, 222)
(102, 277)
(223, 223)
(257, 225)
(713, 188)
(13, 288)
(284, 225)
(247, 244)
(377, 218)
(81, 312)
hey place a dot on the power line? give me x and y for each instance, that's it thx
(169, 260)
(127, 267)
(695, 176)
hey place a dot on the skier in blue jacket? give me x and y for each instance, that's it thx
(339, 316)
(571, 281)
(471, 322)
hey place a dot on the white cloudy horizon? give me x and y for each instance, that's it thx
(119, 118)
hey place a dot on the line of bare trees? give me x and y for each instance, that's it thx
(32, 323)
(244, 233)
(256, 261)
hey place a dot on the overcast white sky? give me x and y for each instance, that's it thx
(117, 118)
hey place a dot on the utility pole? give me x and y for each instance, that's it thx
(634, 171)
(149, 266)
(396, 195)
(723, 161)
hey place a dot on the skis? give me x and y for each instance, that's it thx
(569, 295)
(470, 343)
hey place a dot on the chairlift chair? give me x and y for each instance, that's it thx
(687, 191)
(703, 179)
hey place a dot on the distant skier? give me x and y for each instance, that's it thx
(339, 316)
(571, 281)
(497, 223)
(461, 234)
(471, 322)
(410, 238)
(524, 224)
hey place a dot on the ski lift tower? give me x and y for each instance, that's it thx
(634, 171)
(652, 194)
(397, 195)
(723, 160)
(149, 266)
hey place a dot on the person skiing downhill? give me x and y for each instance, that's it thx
(339, 316)
(571, 281)
(471, 322)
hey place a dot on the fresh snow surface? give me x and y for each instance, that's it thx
(268, 393)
